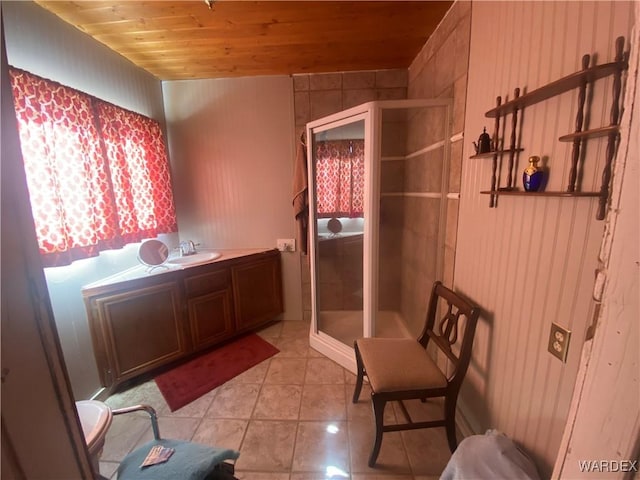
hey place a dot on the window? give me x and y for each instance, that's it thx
(340, 178)
(98, 175)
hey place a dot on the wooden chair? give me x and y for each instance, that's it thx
(401, 369)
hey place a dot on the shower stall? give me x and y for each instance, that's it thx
(378, 183)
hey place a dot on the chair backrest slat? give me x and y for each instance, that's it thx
(446, 332)
(444, 346)
(448, 325)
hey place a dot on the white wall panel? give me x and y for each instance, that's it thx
(604, 418)
(41, 43)
(531, 261)
(232, 151)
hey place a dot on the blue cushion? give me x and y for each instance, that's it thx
(190, 461)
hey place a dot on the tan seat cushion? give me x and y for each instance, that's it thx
(396, 364)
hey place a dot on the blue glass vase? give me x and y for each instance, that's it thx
(532, 175)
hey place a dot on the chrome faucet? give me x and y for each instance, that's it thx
(187, 248)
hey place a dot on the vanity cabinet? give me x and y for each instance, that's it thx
(142, 324)
(137, 330)
(257, 293)
(209, 307)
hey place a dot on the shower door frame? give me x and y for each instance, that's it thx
(371, 113)
(320, 341)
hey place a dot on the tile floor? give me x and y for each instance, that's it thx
(291, 417)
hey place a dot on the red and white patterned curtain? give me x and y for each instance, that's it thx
(139, 172)
(340, 178)
(75, 172)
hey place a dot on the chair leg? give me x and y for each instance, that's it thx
(378, 412)
(450, 422)
(359, 374)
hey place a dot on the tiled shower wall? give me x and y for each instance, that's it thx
(409, 218)
(321, 94)
(410, 233)
(438, 71)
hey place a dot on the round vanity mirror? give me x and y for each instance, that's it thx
(153, 253)
(334, 226)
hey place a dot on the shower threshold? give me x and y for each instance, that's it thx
(346, 325)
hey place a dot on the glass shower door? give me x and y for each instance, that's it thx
(340, 217)
(378, 184)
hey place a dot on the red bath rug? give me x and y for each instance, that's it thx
(192, 379)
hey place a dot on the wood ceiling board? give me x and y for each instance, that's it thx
(175, 40)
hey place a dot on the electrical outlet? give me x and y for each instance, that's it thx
(286, 244)
(559, 342)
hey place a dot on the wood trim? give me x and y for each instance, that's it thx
(559, 86)
(593, 133)
(520, 193)
(27, 317)
(608, 364)
(10, 463)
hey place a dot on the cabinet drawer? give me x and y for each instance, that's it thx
(204, 283)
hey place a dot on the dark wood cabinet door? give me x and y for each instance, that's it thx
(142, 329)
(257, 288)
(210, 318)
(209, 305)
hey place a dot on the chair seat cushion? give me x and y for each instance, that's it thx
(190, 461)
(398, 364)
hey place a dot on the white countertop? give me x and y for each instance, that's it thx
(141, 271)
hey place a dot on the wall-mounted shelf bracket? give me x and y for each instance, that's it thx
(580, 80)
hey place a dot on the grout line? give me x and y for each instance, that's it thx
(349, 423)
(251, 415)
(346, 421)
(295, 440)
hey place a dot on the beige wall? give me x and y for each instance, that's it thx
(231, 148)
(531, 261)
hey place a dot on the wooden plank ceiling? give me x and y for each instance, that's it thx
(176, 40)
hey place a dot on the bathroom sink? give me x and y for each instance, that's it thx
(195, 259)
